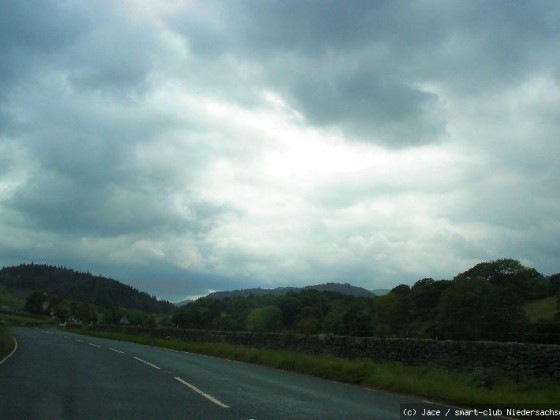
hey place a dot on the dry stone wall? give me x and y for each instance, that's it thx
(515, 360)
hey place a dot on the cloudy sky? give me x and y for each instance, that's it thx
(188, 146)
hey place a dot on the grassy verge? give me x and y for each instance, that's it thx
(426, 382)
(6, 341)
(14, 319)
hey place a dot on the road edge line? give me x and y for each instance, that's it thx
(12, 352)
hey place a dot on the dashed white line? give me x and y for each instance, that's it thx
(78, 340)
(116, 351)
(204, 394)
(148, 363)
(94, 345)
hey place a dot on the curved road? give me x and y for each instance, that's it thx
(59, 375)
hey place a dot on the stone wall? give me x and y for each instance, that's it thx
(515, 360)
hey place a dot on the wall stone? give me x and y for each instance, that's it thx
(514, 360)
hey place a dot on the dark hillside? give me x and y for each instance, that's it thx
(78, 286)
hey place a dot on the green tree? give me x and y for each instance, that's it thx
(85, 312)
(358, 320)
(62, 310)
(37, 303)
(426, 295)
(267, 319)
(224, 322)
(461, 309)
(333, 321)
(554, 285)
(395, 312)
(509, 273)
(474, 309)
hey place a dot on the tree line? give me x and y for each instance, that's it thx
(78, 286)
(485, 302)
(65, 310)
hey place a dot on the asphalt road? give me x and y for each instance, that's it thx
(59, 375)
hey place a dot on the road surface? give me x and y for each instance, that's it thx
(59, 375)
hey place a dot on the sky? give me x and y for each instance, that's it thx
(184, 147)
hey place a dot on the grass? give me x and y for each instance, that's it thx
(14, 319)
(482, 387)
(6, 341)
(10, 299)
(542, 309)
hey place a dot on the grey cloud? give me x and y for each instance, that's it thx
(31, 33)
(370, 106)
(93, 45)
(470, 47)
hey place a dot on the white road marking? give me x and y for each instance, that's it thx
(116, 351)
(148, 363)
(12, 352)
(94, 345)
(205, 395)
(78, 340)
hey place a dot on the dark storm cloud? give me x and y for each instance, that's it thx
(72, 74)
(366, 67)
(31, 30)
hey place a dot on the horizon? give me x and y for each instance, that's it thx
(177, 299)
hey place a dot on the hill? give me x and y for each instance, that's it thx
(77, 286)
(345, 289)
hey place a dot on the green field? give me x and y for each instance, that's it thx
(542, 309)
(426, 382)
(11, 300)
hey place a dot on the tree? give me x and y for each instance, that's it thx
(426, 295)
(460, 312)
(509, 273)
(62, 310)
(394, 313)
(267, 319)
(37, 303)
(554, 285)
(224, 322)
(85, 312)
(333, 321)
(358, 320)
(474, 309)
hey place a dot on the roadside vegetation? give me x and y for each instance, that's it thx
(482, 387)
(25, 320)
(10, 300)
(6, 341)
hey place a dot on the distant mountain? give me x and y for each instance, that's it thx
(76, 286)
(345, 289)
(183, 302)
(380, 292)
